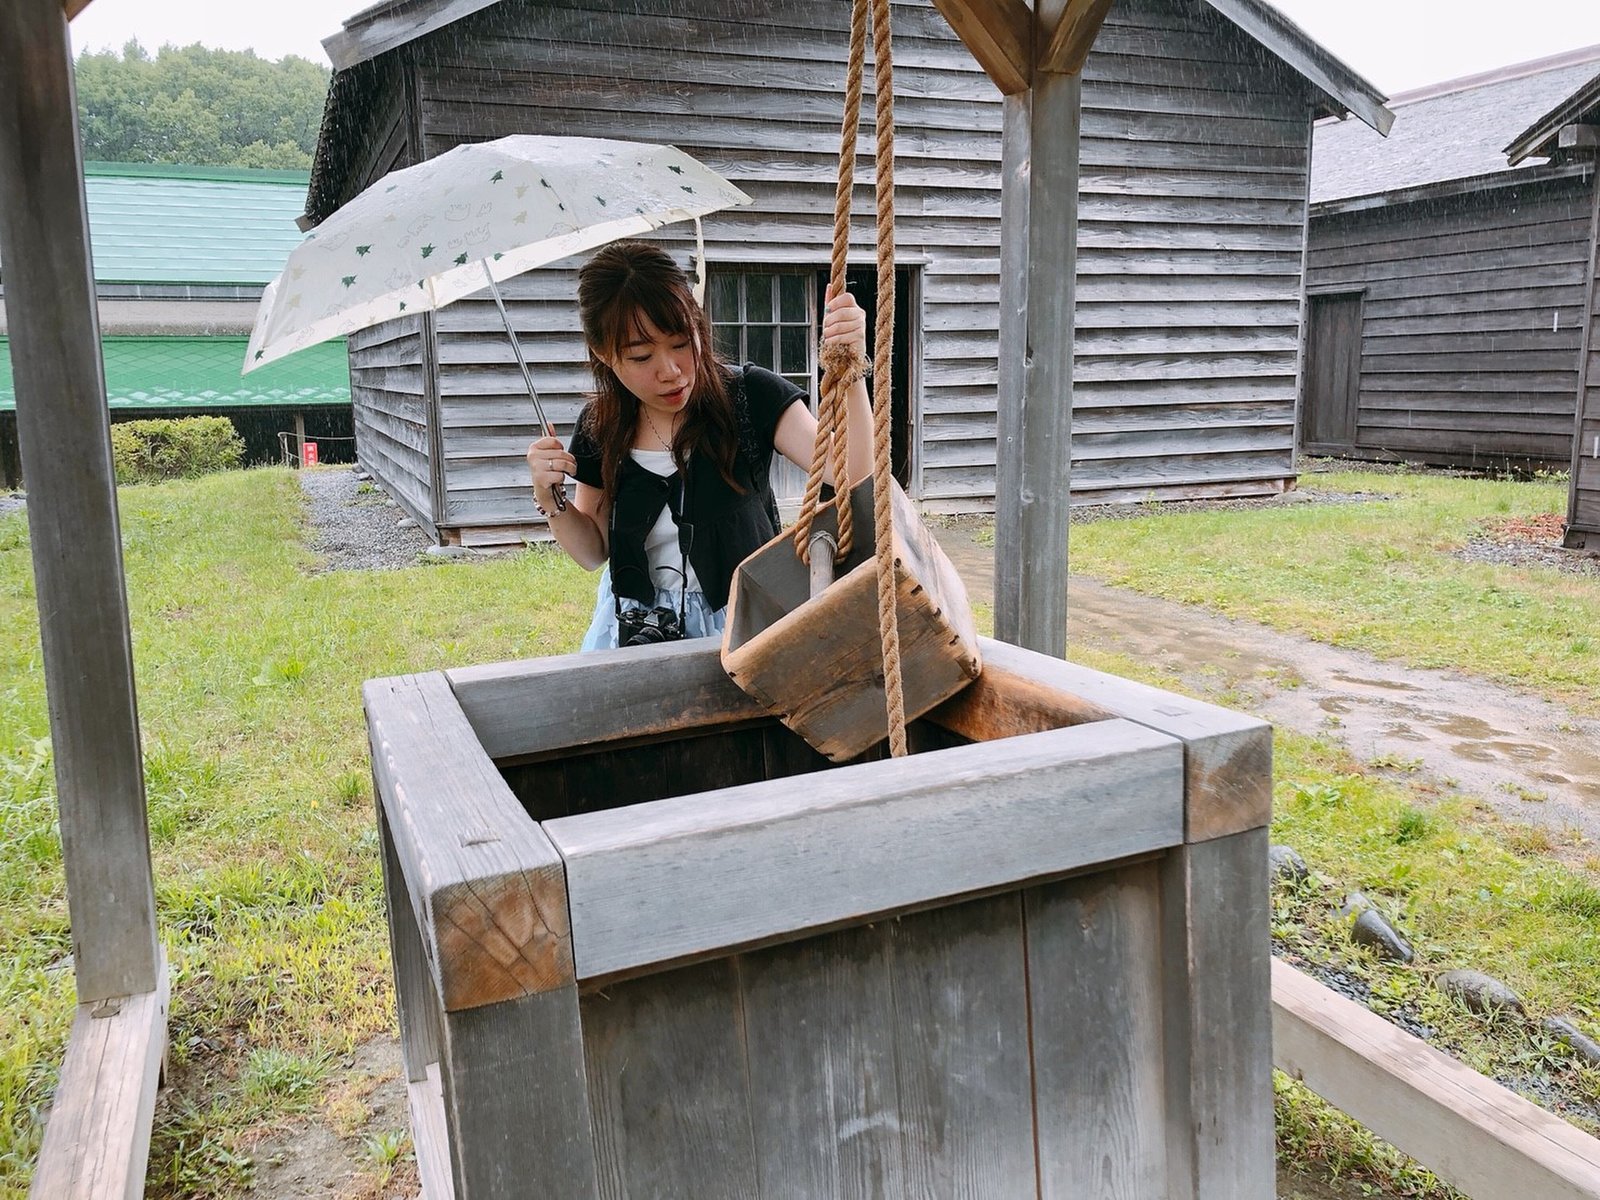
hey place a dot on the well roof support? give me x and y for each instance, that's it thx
(63, 428)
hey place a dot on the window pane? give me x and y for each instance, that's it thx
(758, 345)
(792, 298)
(724, 298)
(726, 339)
(796, 341)
(758, 299)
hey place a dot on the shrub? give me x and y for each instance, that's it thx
(168, 448)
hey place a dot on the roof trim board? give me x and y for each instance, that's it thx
(388, 26)
(1450, 187)
(1532, 140)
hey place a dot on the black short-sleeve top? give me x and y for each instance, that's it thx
(726, 526)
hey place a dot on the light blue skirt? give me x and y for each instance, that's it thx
(698, 618)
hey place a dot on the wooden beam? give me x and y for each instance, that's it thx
(97, 1140)
(1474, 1134)
(1038, 269)
(1578, 137)
(485, 886)
(705, 874)
(1574, 535)
(1074, 36)
(63, 427)
(1000, 35)
(394, 27)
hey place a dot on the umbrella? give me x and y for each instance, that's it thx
(425, 236)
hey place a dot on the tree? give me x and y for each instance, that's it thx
(198, 106)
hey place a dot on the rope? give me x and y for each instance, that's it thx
(882, 391)
(843, 367)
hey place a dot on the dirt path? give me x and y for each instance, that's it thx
(1532, 761)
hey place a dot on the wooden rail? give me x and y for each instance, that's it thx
(1464, 1127)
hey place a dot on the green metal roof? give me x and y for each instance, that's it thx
(152, 223)
(203, 372)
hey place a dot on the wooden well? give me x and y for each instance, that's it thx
(816, 663)
(648, 943)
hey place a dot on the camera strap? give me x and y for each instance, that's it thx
(679, 512)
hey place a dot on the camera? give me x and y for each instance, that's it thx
(646, 627)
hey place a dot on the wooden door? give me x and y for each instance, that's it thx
(1332, 372)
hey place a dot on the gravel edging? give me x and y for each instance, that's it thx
(355, 527)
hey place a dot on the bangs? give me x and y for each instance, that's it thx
(640, 300)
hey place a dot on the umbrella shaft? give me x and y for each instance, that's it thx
(557, 492)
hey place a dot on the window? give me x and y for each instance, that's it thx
(768, 318)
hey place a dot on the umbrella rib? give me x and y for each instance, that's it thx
(558, 492)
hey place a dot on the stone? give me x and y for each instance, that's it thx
(1584, 1046)
(446, 553)
(1479, 992)
(391, 504)
(1369, 927)
(1287, 865)
(405, 523)
(363, 476)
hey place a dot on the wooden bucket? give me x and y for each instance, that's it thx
(817, 663)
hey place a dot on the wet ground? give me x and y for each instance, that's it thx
(1532, 761)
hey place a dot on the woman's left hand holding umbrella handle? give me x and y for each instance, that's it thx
(550, 463)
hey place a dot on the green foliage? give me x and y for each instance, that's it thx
(198, 106)
(166, 448)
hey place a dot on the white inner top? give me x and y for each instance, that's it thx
(661, 544)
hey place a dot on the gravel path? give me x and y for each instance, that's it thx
(354, 526)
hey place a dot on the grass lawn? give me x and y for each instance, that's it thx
(268, 887)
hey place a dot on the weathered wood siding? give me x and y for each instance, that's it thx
(1194, 179)
(391, 373)
(1583, 507)
(1473, 310)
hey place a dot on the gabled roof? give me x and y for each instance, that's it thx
(1583, 106)
(151, 223)
(1456, 130)
(390, 24)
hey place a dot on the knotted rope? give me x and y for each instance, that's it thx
(842, 366)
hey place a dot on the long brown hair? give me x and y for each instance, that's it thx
(621, 287)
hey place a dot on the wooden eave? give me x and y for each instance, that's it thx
(1469, 185)
(1538, 139)
(999, 33)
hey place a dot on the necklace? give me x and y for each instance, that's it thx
(666, 443)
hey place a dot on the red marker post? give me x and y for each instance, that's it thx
(309, 457)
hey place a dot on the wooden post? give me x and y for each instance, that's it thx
(1579, 534)
(63, 428)
(1038, 268)
(299, 440)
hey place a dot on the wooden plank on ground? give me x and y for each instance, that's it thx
(485, 884)
(1094, 974)
(429, 1137)
(97, 1138)
(1474, 1134)
(691, 875)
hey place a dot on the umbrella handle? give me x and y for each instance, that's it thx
(558, 493)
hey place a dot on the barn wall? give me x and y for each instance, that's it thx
(389, 364)
(1472, 315)
(1583, 507)
(1194, 181)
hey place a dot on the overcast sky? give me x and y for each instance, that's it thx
(1396, 44)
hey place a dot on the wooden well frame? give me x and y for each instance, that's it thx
(1031, 959)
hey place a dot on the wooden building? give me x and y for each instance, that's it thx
(1451, 272)
(1195, 144)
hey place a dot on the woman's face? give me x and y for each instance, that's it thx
(658, 368)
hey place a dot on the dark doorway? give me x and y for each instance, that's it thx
(1332, 373)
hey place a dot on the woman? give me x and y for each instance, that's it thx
(672, 454)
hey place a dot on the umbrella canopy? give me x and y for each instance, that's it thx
(424, 236)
